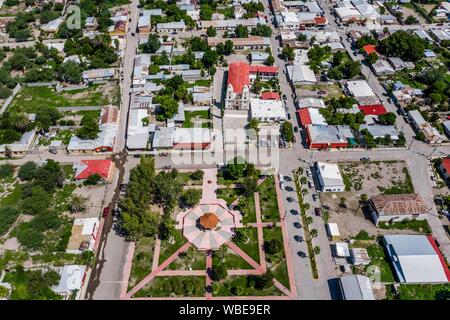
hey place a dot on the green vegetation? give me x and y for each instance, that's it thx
(403, 45)
(142, 260)
(343, 67)
(421, 292)
(174, 287)
(33, 285)
(30, 99)
(421, 226)
(275, 254)
(334, 117)
(229, 194)
(268, 200)
(380, 260)
(190, 115)
(400, 186)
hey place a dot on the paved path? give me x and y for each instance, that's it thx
(209, 265)
(154, 273)
(156, 252)
(209, 186)
(259, 228)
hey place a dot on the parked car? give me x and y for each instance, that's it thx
(314, 196)
(365, 159)
(295, 129)
(310, 185)
(289, 199)
(317, 211)
(280, 177)
(105, 212)
(308, 173)
(282, 186)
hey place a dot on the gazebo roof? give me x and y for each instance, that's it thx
(209, 220)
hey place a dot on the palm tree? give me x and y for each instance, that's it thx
(303, 180)
(77, 203)
(313, 233)
(304, 192)
(306, 206)
(316, 250)
(308, 220)
(21, 121)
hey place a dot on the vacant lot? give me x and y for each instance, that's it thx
(30, 99)
(364, 180)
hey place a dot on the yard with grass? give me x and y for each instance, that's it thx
(268, 200)
(247, 206)
(379, 259)
(250, 243)
(30, 99)
(230, 259)
(277, 260)
(420, 226)
(241, 286)
(229, 194)
(187, 178)
(169, 247)
(201, 116)
(142, 260)
(174, 287)
(420, 292)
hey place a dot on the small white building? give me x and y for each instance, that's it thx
(72, 278)
(356, 287)
(333, 231)
(84, 235)
(330, 178)
(341, 250)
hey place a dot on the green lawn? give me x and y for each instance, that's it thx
(62, 196)
(174, 287)
(421, 292)
(190, 115)
(186, 179)
(142, 260)
(250, 247)
(268, 200)
(230, 259)
(168, 249)
(421, 226)
(376, 253)
(247, 206)
(13, 198)
(279, 267)
(30, 99)
(239, 286)
(229, 194)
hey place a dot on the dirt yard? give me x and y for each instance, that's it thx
(367, 179)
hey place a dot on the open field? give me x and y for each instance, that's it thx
(30, 99)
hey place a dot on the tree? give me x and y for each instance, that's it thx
(306, 206)
(152, 45)
(191, 197)
(142, 225)
(5, 92)
(302, 37)
(403, 45)
(308, 220)
(288, 53)
(240, 31)
(250, 185)
(211, 32)
(313, 233)
(71, 72)
(261, 282)
(168, 107)
(197, 174)
(77, 203)
(316, 250)
(372, 57)
(411, 20)
(262, 30)
(93, 179)
(6, 171)
(387, 118)
(303, 180)
(89, 128)
(287, 131)
(219, 272)
(273, 246)
(49, 176)
(269, 61)
(253, 124)
(38, 202)
(235, 168)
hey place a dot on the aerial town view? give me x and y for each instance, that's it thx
(224, 150)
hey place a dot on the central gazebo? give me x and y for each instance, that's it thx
(209, 226)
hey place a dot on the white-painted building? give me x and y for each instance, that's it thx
(329, 176)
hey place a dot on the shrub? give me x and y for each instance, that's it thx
(6, 171)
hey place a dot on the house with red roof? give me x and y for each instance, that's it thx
(263, 72)
(373, 110)
(369, 48)
(445, 168)
(86, 168)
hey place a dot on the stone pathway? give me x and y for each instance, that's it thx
(209, 266)
(209, 186)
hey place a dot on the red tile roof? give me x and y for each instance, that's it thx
(101, 167)
(369, 48)
(263, 69)
(303, 115)
(441, 258)
(446, 164)
(320, 20)
(270, 95)
(238, 75)
(374, 109)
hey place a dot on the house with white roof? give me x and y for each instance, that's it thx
(137, 131)
(71, 280)
(356, 287)
(329, 176)
(267, 110)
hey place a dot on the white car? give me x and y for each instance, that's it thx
(281, 185)
(280, 177)
(308, 173)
